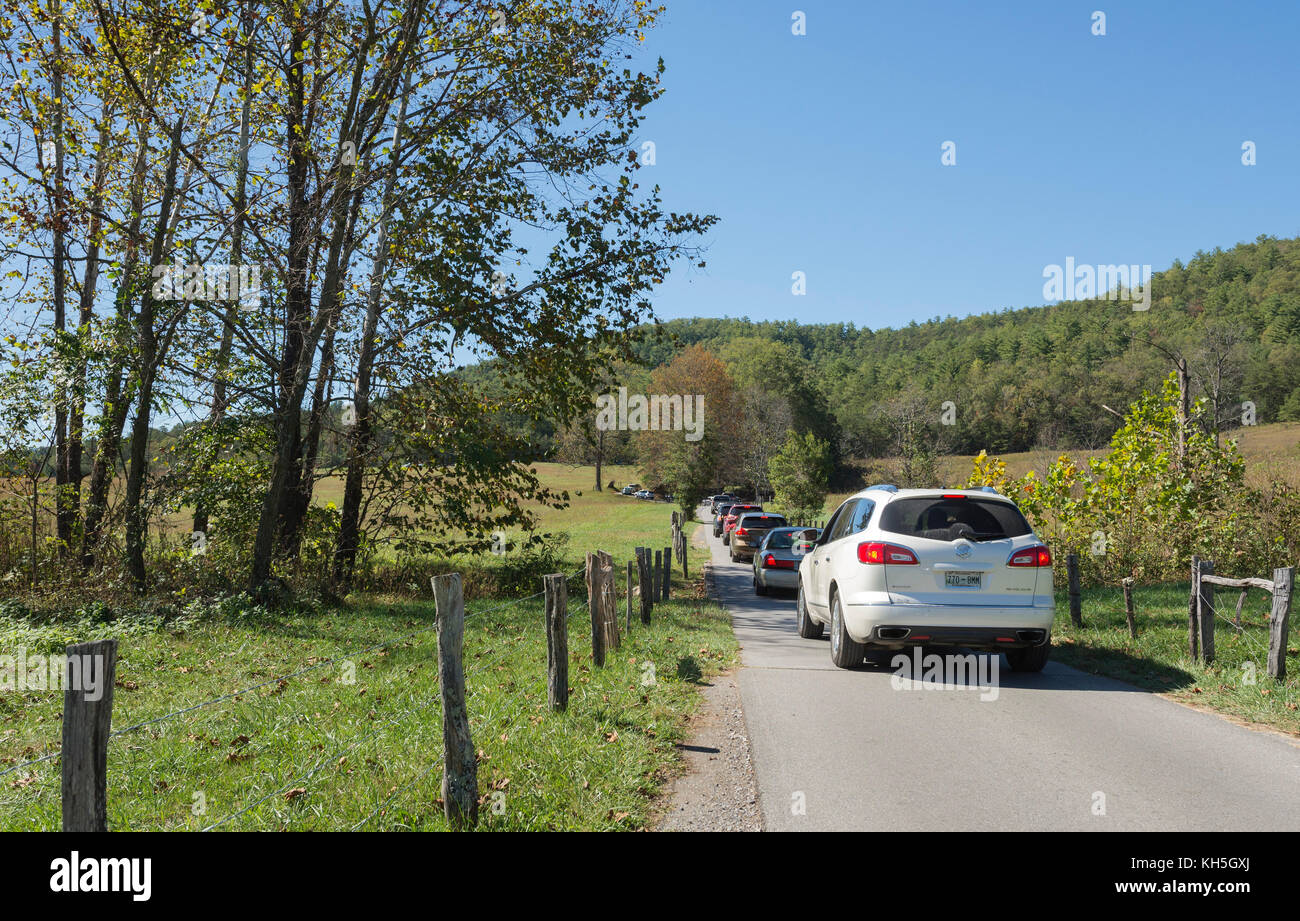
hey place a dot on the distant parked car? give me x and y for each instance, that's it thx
(733, 516)
(750, 531)
(644, 494)
(720, 518)
(908, 567)
(776, 562)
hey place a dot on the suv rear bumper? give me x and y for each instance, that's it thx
(897, 635)
(944, 624)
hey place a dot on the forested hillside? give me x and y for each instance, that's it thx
(1045, 375)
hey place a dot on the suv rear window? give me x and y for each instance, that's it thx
(937, 518)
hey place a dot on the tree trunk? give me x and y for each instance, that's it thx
(116, 402)
(240, 204)
(147, 339)
(89, 285)
(359, 440)
(58, 208)
(285, 418)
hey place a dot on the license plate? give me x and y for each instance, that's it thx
(962, 579)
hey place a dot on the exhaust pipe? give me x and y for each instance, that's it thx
(893, 633)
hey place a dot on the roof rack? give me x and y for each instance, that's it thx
(990, 489)
(887, 487)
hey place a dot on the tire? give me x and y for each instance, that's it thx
(1029, 659)
(759, 588)
(726, 541)
(809, 629)
(845, 652)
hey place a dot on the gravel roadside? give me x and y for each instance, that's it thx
(718, 791)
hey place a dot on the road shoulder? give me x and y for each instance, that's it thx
(718, 791)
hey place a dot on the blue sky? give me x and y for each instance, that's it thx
(821, 152)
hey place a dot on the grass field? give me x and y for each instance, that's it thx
(1236, 684)
(328, 748)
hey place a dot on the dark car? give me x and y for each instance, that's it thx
(721, 499)
(776, 562)
(720, 517)
(733, 515)
(750, 531)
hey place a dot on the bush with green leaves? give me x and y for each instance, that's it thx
(1147, 505)
(800, 473)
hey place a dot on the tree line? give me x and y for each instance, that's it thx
(1227, 323)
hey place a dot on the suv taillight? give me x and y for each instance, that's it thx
(876, 554)
(1031, 556)
(741, 532)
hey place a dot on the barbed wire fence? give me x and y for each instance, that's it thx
(83, 752)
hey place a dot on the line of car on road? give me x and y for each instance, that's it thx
(895, 568)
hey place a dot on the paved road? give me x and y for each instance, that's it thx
(857, 754)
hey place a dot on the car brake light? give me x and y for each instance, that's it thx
(954, 495)
(877, 554)
(741, 532)
(1031, 556)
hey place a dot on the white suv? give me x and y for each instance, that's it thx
(918, 567)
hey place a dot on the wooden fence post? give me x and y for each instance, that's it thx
(1128, 607)
(594, 600)
(557, 640)
(1283, 582)
(630, 564)
(643, 582)
(1193, 630)
(460, 769)
(1076, 600)
(1205, 612)
(89, 672)
(685, 574)
(654, 575)
(609, 601)
(667, 578)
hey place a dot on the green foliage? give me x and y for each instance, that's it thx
(1142, 509)
(800, 474)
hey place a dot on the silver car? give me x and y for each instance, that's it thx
(776, 561)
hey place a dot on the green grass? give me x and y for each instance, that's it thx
(1158, 659)
(348, 747)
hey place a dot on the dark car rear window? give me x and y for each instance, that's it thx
(937, 518)
(763, 521)
(780, 540)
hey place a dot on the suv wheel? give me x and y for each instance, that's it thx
(845, 653)
(809, 629)
(1029, 659)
